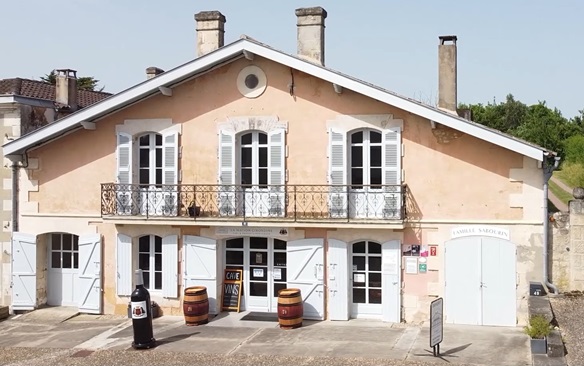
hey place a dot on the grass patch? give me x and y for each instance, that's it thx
(571, 174)
(560, 193)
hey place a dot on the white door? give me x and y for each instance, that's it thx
(254, 174)
(366, 174)
(157, 174)
(391, 282)
(366, 280)
(90, 295)
(480, 286)
(375, 174)
(23, 271)
(200, 266)
(305, 271)
(462, 272)
(338, 280)
(498, 284)
(63, 270)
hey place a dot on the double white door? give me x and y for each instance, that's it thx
(480, 286)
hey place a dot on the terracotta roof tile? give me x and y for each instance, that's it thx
(42, 90)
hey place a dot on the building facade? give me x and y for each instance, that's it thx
(26, 105)
(371, 203)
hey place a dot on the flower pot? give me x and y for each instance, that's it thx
(538, 346)
(194, 211)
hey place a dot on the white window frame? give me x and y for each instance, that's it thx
(366, 145)
(255, 157)
(152, 262)
(72, 251)
(152, 148)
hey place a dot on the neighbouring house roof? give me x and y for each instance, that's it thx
(235, 50)
(41, 90)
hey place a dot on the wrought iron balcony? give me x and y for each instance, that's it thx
(306, 203)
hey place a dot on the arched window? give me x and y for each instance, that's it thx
(254, 159)
(365, 156)
(150, 165)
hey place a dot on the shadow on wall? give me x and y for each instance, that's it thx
(413, 211)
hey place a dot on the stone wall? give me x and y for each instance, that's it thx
(567, 247)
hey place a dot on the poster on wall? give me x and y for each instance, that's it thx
(411, 265)
(277, 274)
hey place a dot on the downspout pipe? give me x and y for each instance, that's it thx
(15, 176)
(548, 169)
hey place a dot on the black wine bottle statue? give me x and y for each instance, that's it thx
(141, 315)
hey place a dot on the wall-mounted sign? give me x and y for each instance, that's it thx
(424, 250)
(480, 230)
(250, 231)
(411, 265)
(433, 250)
(423, 267)
(232, 282)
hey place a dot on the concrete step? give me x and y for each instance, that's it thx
(555, 346)
(4, 312)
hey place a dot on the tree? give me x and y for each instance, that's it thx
(83, 83)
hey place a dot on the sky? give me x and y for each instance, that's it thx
(533, 49)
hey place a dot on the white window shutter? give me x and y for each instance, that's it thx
(170, 158)
(392, 173)
(170, 266)
(124, 265)
(276, 175)
(124, 158)
(226, 173)
(170, 173)
(337, 173)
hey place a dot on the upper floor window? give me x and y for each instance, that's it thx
(365, 157)
(147, 173)
(252, 173)
(254, 159)
(150, 159)
(365, 173)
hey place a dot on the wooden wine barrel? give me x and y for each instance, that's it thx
(196, 305)
(290, 308)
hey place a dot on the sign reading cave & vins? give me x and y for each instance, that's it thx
(232, 286)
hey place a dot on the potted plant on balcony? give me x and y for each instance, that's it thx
(538, 330)
(193, 210)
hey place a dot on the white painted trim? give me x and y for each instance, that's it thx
(6, 99)
(62, 215)
(290, 225)
(248, 55)
(235, 49)
(167, 92)
(88, 125)
(477, 222)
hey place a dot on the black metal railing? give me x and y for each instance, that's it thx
(286, 202)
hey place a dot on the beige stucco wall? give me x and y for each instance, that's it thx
(463, 181)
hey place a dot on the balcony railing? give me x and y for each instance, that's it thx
(280, 202)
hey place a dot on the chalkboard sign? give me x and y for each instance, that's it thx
(232, 286)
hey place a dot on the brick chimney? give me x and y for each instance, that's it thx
(210, 31)
(447, 83)
(152, 72)
(66, 88)
(310, 34)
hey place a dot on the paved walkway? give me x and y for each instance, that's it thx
(228, 336)
(555, 200)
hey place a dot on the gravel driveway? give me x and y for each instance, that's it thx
(569, 313)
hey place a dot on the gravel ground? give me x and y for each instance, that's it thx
(55, 357)
(569, 313)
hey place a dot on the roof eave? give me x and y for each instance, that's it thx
(122, 99)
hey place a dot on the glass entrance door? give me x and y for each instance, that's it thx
(366, 279)
(263, 261)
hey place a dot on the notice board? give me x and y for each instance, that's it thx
(232, 286)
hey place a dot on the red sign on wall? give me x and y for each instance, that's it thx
(432, 250)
